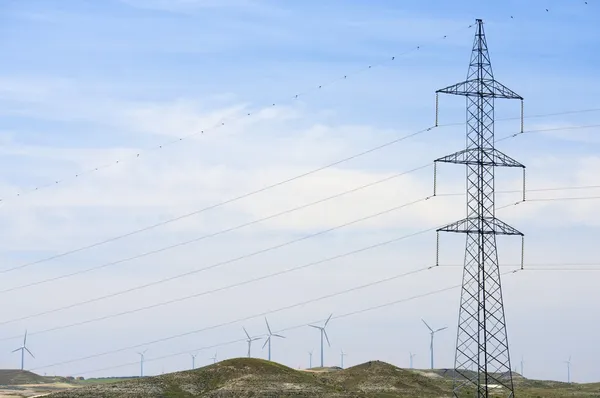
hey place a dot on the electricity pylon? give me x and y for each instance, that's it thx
(482, 341)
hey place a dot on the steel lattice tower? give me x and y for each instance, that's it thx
(482, 356)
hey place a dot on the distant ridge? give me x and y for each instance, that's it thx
(11, 377)
(257, 378)
(249, 377)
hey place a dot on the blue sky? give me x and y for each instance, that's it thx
(86, 83)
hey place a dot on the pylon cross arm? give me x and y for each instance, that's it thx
(491, 157)
(481, 88)
(490, 226)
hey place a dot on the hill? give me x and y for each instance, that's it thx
(237, 378)
(248, 377)
(11, 377)
(227, 379)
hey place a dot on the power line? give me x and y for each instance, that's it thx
(207, 292)
(561, 199)
(341, 316)
(78, 304)
(284, 308)
(232, 260)
(535, 265)
(228, 201)
(222, 122)
(271, 312)
(223, 262)
(563, 269)
(534, 116)
(264, 277)
(160, 304)
(219, 204)
(548, 200)
(225, 121)
(587, 126)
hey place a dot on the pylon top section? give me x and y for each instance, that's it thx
(480, 78)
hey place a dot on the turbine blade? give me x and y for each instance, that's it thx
(440, 329)
(316, 327)
(245, 331)
(428, 327)
(255, 338)
(266, 341)
(326, 337)
(18, 349)
(327, 321)
(278, 335)
(29, 352)
(25, 339)
(268, 327)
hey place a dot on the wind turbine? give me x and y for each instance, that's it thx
(271, 334)
(522, 362)
(568, 369)
(342, 355)
(193, 360)
(433, 332)
(310, 359)
(250, 340)
(24, 348)
(323, 333)
(141, 354)
(214, 358)
(411, 359)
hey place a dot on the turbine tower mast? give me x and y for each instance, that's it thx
(568, 369)
(141, 354)
(342, 355)
(482, 340)
(522, 362)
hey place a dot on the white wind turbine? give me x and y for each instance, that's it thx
(433, 332)
(323, 333)
(141, 354)
(271, 334)
(24, 348)
(411, 359)
(250, 340)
